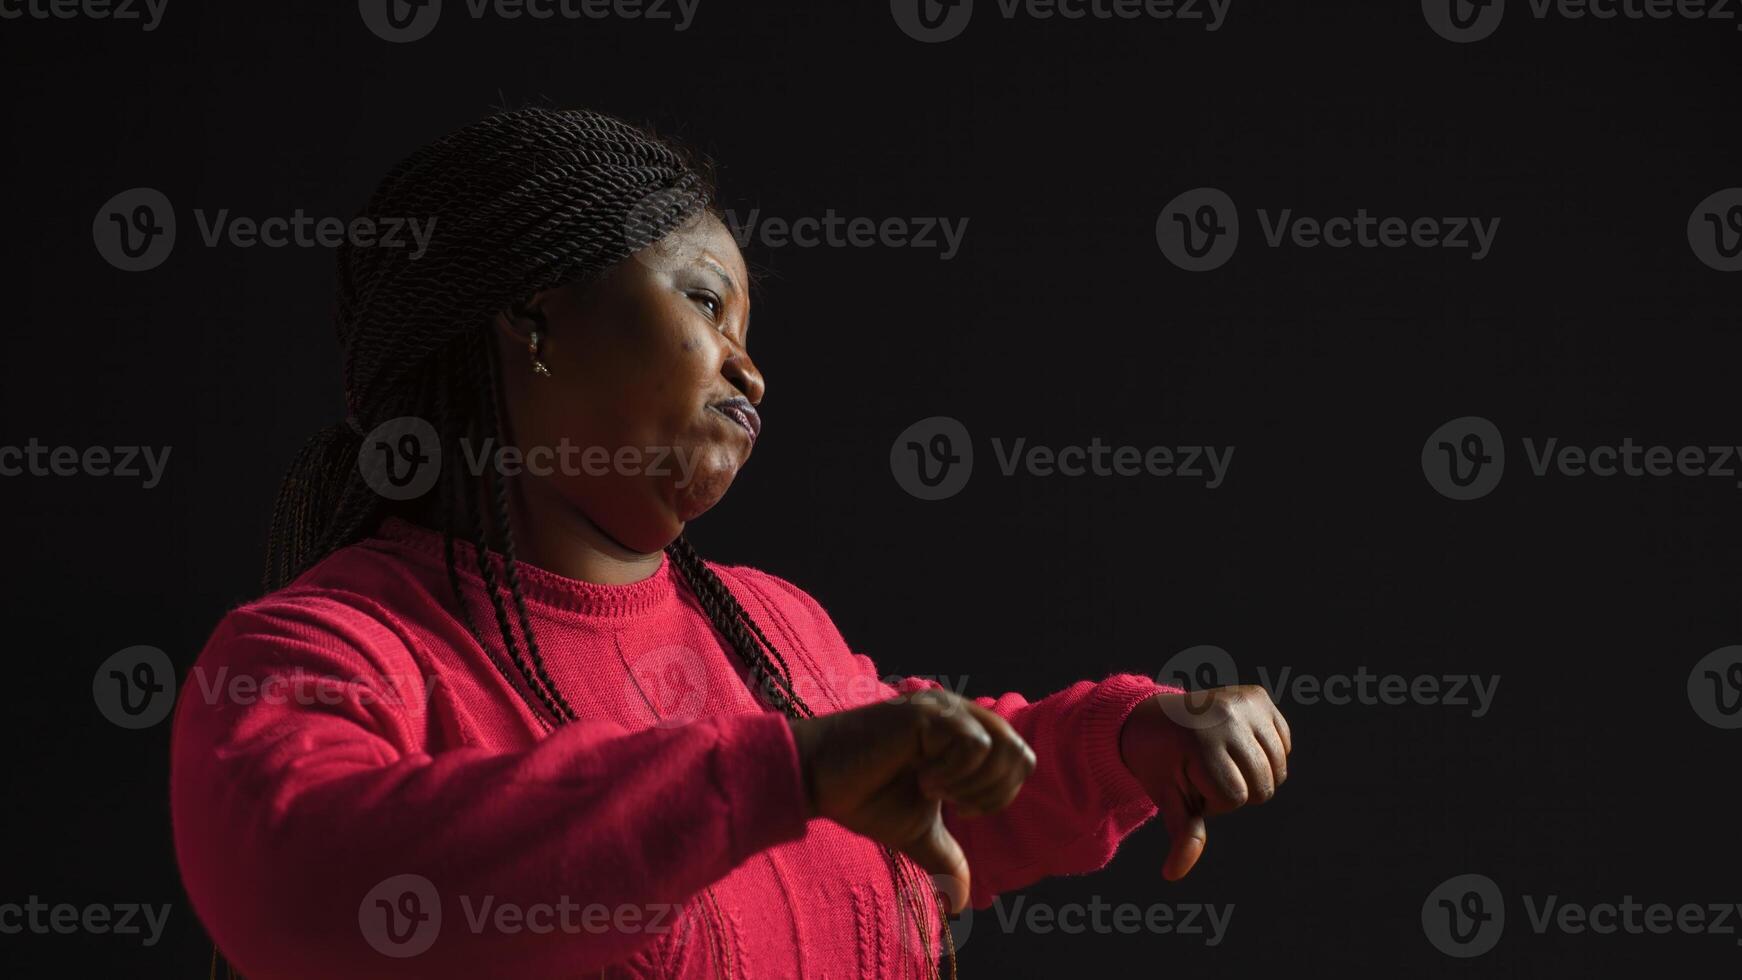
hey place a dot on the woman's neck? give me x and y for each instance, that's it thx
(568, 543)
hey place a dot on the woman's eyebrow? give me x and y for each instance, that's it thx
(720, 270)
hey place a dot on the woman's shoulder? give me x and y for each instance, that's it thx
(338, 607)
(779, 597)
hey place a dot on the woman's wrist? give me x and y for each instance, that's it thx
(804, 738)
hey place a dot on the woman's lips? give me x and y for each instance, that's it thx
(742, 412)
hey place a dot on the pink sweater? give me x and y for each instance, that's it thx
(357, 792)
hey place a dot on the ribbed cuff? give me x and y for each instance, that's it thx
(757, 769)
(1110, 704)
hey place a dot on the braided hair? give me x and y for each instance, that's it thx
(521, 201)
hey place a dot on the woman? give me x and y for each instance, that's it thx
(496, 717)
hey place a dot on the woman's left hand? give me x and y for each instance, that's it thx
(1202, 753)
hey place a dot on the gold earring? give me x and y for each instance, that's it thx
(537, 365)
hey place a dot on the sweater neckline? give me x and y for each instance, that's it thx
(537, 584)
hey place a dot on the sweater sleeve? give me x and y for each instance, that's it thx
(1080, 801)
(316, 838)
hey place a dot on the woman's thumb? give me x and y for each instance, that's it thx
(1188, 835)
(938, 853)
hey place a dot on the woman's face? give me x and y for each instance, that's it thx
(649, 407)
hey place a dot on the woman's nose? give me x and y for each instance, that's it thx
(741, 371)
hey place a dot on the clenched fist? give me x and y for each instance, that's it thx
(884, 771)
(1202, 753)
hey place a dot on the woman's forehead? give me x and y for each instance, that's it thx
(705, 240)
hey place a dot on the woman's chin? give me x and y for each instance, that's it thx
(702, 493)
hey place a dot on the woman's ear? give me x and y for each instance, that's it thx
(520, 319)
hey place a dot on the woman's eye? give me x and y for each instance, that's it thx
(711, 301)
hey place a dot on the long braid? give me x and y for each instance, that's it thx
(740, 628)
(481, 539)
(451, 488)
(736, 625)
(499, 494)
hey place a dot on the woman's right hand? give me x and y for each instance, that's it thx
(884, 770)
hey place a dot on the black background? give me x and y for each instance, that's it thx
(1060, 320)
